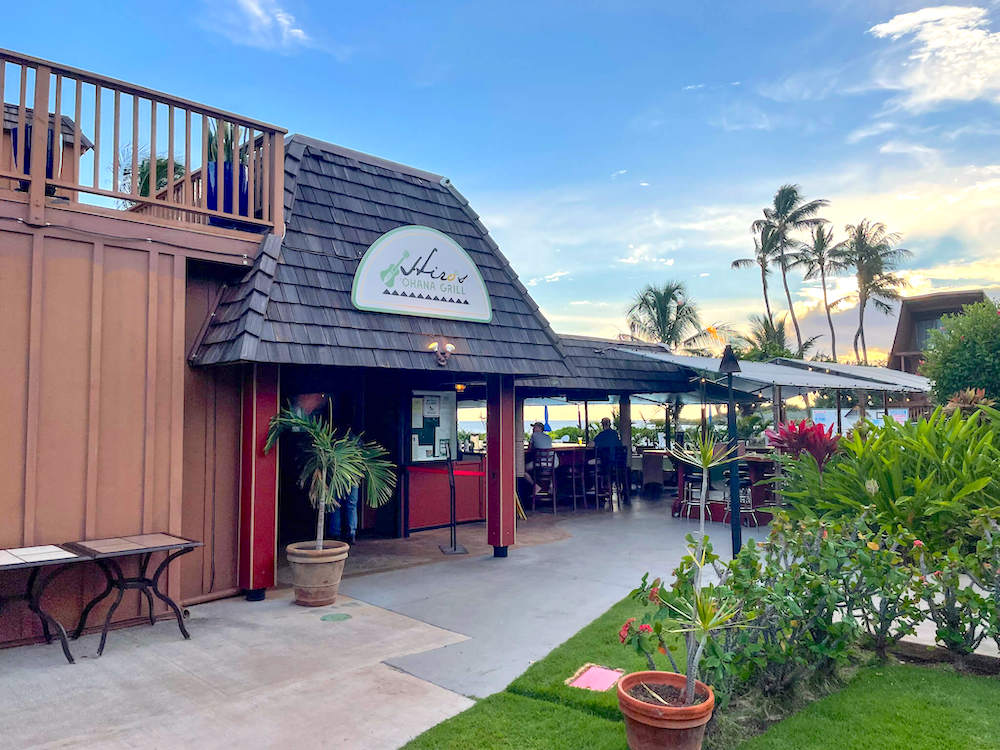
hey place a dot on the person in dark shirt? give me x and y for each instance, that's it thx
(607, 437)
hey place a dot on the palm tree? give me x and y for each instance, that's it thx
(789, 213)
(765, 252)
(664, 314)
(871, 250)
(820, 257)
(768, 339)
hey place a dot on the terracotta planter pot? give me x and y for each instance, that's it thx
(651, 726)
(316, 572)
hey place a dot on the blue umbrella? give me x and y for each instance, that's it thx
(546, 420)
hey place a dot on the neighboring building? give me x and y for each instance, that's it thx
(918, 316)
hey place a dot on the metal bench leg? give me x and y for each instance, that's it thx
(108, 588)
(163, 597)
(35, 591)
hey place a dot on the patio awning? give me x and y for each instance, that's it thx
(798, 378)
(901, 381)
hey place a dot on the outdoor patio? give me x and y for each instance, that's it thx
(269, 673)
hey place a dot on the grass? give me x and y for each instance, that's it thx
(511, 721)
(883, 708)
(598, 643)
(896, 706)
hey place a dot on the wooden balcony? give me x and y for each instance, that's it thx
(110, 146)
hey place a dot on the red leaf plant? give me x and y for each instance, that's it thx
(794, 437)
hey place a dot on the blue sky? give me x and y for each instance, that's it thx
(609, 145)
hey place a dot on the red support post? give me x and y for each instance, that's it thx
(502, 432)
(258, 482)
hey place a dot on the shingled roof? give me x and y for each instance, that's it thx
(598, 365)
(294, 306)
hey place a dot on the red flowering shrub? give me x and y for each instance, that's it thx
(794, 437)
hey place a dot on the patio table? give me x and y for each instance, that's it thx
(106, 553)
(36, 558)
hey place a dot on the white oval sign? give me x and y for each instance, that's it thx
(416, 270)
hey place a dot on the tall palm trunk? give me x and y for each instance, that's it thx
(788, 296)
(829, 318)
(767, 301)
(859, 335)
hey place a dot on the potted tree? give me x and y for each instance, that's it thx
(333, 463)
(668, 710)
(222, 145)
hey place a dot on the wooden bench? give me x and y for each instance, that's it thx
(105, 553)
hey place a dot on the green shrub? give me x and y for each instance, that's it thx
(965, 353)
(928, 477)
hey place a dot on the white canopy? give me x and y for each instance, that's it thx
(796, 376)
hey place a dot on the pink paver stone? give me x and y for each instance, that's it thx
(594, 677)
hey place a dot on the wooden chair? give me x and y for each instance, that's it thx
(603, 477)
(573, 466)
(543, 477)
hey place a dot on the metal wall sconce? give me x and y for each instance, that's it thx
(442, 351)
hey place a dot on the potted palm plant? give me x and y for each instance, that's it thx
(333, 464)
(222, 145)
(668, 710)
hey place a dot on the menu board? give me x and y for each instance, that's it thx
(433, 426)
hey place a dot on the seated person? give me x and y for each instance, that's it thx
(607, 437)
(540, 440)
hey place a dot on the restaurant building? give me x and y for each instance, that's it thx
(153, 330)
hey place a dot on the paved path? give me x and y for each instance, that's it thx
(253, 675)
(515, 610)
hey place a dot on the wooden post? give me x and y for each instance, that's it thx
(277, 177)
(518, 432)
(39, 147)
(586, 424)
(501, 433)
(625, 421)
(840, 420)
(258, 482)
(776, 404)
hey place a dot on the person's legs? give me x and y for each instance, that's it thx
(351, 510)
(333, 523)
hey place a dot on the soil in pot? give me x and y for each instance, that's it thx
(316, 573)
(652, 724)
(668, 694)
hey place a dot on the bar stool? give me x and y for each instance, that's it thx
(543, 478)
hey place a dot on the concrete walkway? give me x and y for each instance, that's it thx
(253, 675)
(516, 610)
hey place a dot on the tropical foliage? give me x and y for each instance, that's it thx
(334, 463)
(871, 250)
(767, 339)
(789, 212)
(819, 258)
(665, 314)
(965, 353)
(932, 477)
(765, 252)
(792, 438)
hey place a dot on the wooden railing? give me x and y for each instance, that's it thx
(111, 144)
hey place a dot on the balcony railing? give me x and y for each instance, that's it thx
(73, 136)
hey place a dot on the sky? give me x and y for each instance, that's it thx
(611, 145)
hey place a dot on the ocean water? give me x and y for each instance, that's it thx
(476, 427)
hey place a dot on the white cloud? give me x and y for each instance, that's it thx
(548, 278)
(693, 87)
(618, 173)
(807, 85)
(944, 53)
(704, 274)
(924, 154)
(743, 116)
(263, 24)
(876, 128)
(646, 253)
(643, 184)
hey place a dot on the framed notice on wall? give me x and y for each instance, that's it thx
(433, 426)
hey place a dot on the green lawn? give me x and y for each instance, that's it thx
(896, 707)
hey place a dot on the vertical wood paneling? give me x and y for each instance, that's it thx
(104, 413)
(63, 381)
(149, 407)
(31, 406)
(15, 290)
(94, 391)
